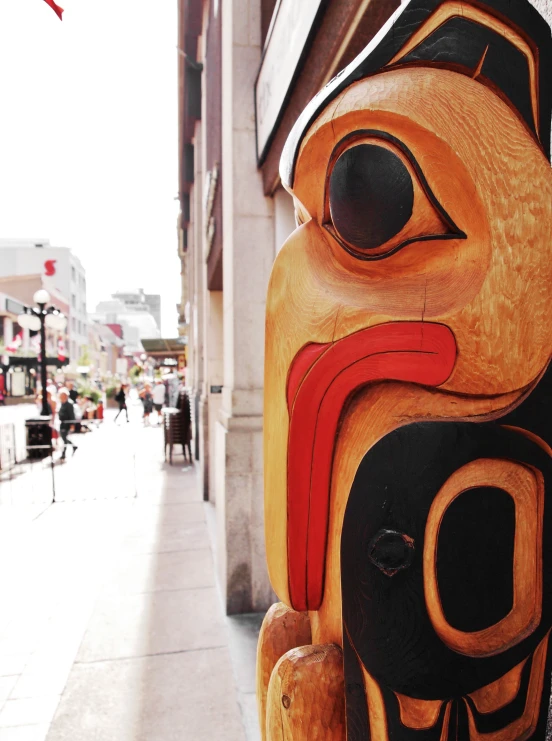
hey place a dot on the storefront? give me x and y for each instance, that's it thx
(20, 374)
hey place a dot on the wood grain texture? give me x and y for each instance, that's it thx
(408, 351)
(524, 726)
(406, 507)
(475, 155)
(461, 718)
(396, 623)
(496, 695)
(418, 713)
(373, 413)
(282, 630)
(520, 16)
(464, 11)
(306, 696)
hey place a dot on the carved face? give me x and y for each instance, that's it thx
(415, 288)
(422, 257)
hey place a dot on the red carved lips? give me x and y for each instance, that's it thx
(321, 379)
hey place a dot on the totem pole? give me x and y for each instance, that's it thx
(408, 413)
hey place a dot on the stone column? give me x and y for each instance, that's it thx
(198, 289)
(248, 252)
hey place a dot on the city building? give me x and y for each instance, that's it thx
(136, 323)
(20, 347)
(247, 69)
(61, 271)
(140, 301)
(105, 348)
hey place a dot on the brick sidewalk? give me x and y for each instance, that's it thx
(111, 626)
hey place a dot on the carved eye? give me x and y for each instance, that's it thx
(379, 201)
(371, 196)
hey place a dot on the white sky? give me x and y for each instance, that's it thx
(88, 138)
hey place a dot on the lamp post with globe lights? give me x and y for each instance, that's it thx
(38, 319)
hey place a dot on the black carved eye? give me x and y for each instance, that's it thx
(371, 196)
(378, 199)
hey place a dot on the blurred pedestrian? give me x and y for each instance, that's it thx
(147, 400)
(66, 415)
(120, 398)
(159, 392)
(73, 393)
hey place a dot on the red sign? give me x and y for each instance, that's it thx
(50, 267)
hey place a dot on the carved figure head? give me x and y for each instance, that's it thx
(423, 193)
(416, 288)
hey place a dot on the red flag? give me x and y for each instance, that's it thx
(15, 344)
(62, 353)
(57, 10)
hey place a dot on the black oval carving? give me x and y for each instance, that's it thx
(475, 558)
(371, 196)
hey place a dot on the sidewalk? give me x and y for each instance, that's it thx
(111, 626)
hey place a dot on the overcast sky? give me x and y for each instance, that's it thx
(88, 138)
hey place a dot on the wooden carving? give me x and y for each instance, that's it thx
(408, 413)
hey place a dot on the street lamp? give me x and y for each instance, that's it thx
(39, 319)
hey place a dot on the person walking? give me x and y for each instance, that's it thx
(147, 400)
(159, 392)
(73, 393)
(120, 398)
(66, 415)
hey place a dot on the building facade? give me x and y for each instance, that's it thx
(137, 323)
(247, 69)
(61, 271)
(20, 347)
(137, 300)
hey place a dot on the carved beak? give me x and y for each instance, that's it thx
(321, 380)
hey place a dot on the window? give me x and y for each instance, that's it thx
(74, 324)
(73, 274)
(73, 301)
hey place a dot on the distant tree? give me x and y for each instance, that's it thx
(135, 372)
(85, 358)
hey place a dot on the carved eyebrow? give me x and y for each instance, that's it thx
(519, 16)
(485, 48)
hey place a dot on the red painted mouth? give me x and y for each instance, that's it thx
(321, 379)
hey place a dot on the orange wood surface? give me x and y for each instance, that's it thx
(471, 263)
(306, 696)
(282, 630)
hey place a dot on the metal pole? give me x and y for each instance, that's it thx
(42, 315)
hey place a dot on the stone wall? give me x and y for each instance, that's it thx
(248, 237)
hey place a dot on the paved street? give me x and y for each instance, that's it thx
(111, 625)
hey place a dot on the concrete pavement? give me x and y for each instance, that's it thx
(111, 625)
